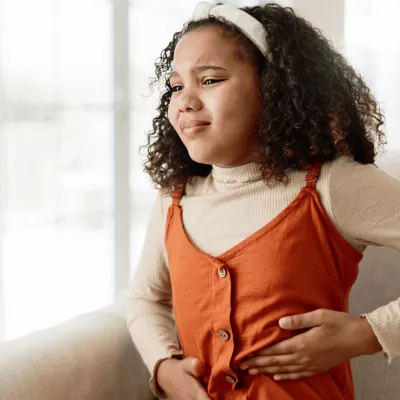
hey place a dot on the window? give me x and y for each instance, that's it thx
(374, 49)
(56, 161)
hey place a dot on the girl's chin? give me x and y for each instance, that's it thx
(203, 158)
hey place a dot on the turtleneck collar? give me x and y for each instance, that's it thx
(241, 174)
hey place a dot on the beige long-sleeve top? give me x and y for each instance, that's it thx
(230, 204)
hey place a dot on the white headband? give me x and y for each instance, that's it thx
(247, 24)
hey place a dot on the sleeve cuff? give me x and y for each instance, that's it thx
(155, 388)
(382, 337)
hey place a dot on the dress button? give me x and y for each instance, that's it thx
(223, 335)
(230, 379)
(222, 273)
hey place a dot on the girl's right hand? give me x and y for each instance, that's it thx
(180, 379)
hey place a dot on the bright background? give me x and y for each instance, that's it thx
(74, 109)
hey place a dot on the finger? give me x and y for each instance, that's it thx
(199, 368)
(306, 320)
(193, 366)
(287, 346)
(293, 376)
(198, 391)
(268, 361)
(201, 393)
(277, 370)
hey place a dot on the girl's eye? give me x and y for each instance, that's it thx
(206, 82)
(212, 81)
(175, 88)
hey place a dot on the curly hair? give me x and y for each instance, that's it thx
(316, 106)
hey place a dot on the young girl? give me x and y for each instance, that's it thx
(263, 150)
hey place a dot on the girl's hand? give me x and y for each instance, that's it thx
(180, 379)
(334, 338)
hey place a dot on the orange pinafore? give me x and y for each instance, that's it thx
(228, 307)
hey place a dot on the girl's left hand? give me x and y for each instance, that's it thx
(334, 338)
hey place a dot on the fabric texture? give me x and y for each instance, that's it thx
(248, 25)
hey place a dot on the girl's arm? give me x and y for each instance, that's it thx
(366, 204)
(149, 306)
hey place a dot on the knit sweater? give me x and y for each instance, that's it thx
(230, 204)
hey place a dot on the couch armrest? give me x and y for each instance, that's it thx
(90, 357)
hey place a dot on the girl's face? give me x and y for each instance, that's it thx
(215, 105)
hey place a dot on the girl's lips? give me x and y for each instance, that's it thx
(190, 124)
(189, 131)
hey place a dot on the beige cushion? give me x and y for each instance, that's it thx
(90, 357)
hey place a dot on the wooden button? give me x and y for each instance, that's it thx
(222, 272)
(223, 335)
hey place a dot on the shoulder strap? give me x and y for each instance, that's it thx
(177, 194)
(313, 173)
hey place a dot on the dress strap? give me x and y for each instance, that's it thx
(313, 173)
(177, 194)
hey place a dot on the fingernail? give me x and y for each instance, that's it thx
(253, 371)
(284, 322)
(244, 366)
(277, 378)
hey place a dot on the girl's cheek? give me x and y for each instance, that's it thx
(170, 116)
(172, 113)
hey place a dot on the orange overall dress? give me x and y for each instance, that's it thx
(228, 307)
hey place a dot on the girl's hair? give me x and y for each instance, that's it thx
(315, 105)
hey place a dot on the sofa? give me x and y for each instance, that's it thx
(92, 357)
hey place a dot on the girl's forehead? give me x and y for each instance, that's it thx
(204, 45)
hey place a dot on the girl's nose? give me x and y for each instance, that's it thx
(189, 102)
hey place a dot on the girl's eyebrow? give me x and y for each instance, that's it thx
(201, 68)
